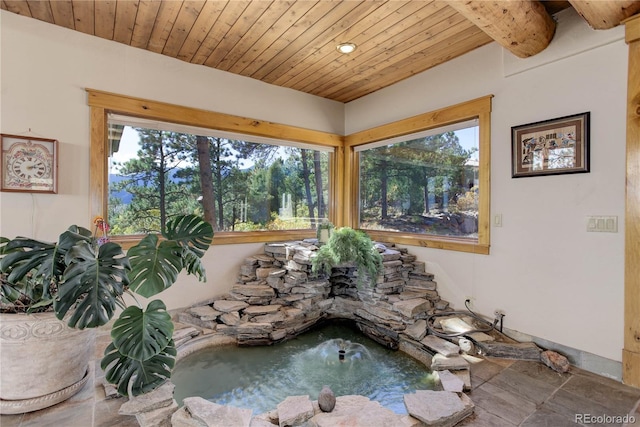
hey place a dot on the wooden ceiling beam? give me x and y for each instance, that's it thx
(521, 26)
(602, 15)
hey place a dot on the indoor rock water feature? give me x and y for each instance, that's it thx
(277, 297)
(333, 354)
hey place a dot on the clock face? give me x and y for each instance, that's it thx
(28, 164)
(28, 167)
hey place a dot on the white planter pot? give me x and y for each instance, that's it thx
(42, 361)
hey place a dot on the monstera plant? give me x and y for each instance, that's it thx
(83, 278)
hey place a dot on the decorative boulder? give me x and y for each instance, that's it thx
(326, 399)
(555, 361)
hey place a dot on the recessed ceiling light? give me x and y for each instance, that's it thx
(346, 47)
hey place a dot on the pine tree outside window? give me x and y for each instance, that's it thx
(424, 183)
(425, 180)
(237, 182)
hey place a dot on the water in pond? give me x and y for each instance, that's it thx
(259, 378)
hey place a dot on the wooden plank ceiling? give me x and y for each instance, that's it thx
(293, 43)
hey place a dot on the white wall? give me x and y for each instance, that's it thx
(45, 70)
(552, 278)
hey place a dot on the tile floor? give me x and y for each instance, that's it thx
(506, 393)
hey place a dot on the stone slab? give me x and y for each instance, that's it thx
(158, 398)
(204, 312)
(441, 346)
(415, 350)
(295, 410)
(465, 377)
(278, 334)
(182, 335)
(418, 330)
(412, 307)
(520, 350)
(263, 259)
(420, 275)
(213, 415)
(160, 417)
(254, 328)
(382, 313)
(256, 310)
(231, 319)
(270, 318)
(450, 382)
(263, 273)
(259, 422)
(227, 306)
(356, 411)
(438, 408)
(453, 363)
(253, 290)
(188, 319)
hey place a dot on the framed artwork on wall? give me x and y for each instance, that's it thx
(29, 164)
(551, 147)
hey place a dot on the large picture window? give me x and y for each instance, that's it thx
(424, 183)
(254, 181)
(425, 180)
(237, 182)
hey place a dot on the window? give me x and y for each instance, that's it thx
(255, 181)
(237, 182)
(425, 180)
(424, 183)
(269, 197)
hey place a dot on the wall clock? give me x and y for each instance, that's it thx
(29, 164)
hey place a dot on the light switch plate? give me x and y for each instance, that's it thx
(602, 224)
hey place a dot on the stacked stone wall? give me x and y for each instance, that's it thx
(277, 297)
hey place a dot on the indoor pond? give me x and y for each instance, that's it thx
(337, 355)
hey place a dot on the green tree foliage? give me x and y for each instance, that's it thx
(401, 179)
(151, 180)
(246, 180)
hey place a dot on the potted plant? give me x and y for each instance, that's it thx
(82, 279)
(349, 246)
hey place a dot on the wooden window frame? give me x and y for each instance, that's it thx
(102, 103)
(343, 162)
(480, 109)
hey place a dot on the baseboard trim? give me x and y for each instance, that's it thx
(578, 358)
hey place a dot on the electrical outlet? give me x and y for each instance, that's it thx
(499, 313)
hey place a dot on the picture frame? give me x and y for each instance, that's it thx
(28, 164)
(551, 147)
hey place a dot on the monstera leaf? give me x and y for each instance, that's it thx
(141, 334)
(154, 267)
(147, 376)
(44, 260)
(194, 235)
(193, 265)
(191, 232)
(27, 255)
(142, 349)
(91, 284)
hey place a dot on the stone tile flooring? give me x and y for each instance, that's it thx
(506, 393)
